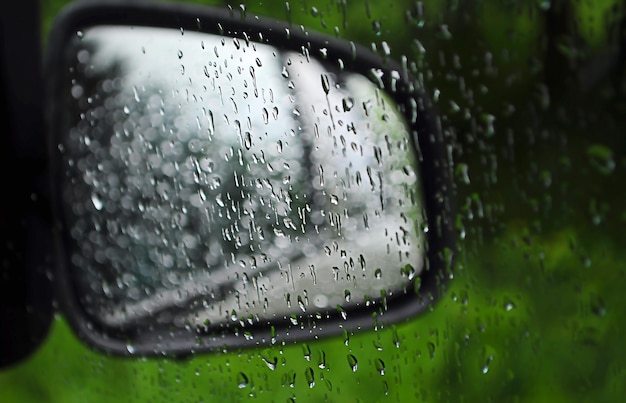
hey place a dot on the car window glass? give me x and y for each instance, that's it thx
(530, 97)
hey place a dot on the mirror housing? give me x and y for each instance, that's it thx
(152, 337)
(26, 311)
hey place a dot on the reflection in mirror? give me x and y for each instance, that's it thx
(210, 180)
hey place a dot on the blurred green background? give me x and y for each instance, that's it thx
(531, 95)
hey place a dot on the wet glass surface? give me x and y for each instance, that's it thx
(212, 179)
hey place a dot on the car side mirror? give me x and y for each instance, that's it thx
(222, 182)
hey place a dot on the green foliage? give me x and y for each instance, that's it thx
(527, 321)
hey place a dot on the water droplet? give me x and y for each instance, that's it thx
(462, 171)
(266, 115)
(247, 140)
(342, 312)
(271, 364)
(352, 361)
(489, 122)
(285, 73)
(306, 350)
(97, 202)
(386, 48)
(301, 304)
(597, 306)
(408, 271)
(334, 200)
(431, 350)
(488, 361)
(445, 32)
(601, 158)
(348, 103)
(322, 361)
(130, 348)
(314, 11)
(310, 377)
(219, 201)
(258, 62)
(378, 273)
(395, 336)
(325, 83)
(327, 250)
(136, 94)
(242, 380)
(180, 54)
(380, 366)
(347, 295)
(376, 26)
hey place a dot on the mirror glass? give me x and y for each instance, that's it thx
(208, 180)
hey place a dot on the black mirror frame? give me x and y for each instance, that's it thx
(434, 166)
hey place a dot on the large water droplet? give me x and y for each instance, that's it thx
(485, 367)
(380, 366)
(322, 361)
(242, 380)
(310, 377)
(342, 312)
(325, 83)
(352, 361)
(97, 202)
(347, 103)
(306, 351)
(301, 304)
(271, 363)
(247, 141)
(347, 295)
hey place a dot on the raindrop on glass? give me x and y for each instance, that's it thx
(242, 380)
(352, 361)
